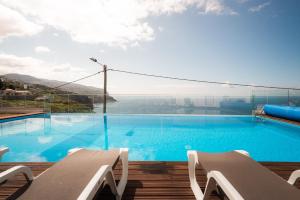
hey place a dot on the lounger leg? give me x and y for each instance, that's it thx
(218, 188)
(217, 178)
(105, 175)
(192, 164)
(110, 180)
(26, 171)
(214, 178)
(124, 177)
(220, 192)
(210, 187)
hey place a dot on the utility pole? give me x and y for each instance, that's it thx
(105, 84)
(104, 108)
(105, 88)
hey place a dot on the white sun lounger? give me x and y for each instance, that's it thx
(78, 176)
(3, 150)
(239, 177)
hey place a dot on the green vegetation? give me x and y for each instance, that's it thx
(71, 103)
(70, 108)
(40, 97)
(57, 107)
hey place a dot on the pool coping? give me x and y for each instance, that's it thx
(16, 116)
(20, 115)
(280, 119)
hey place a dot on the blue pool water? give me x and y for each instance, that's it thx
(149, 137)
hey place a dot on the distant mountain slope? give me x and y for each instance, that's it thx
(73, 88)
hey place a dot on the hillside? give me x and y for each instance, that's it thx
(71, 98)
(73, 88)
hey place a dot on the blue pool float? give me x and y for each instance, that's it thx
(287, 112)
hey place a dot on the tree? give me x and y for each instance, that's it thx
(1, 84)
(11, 86)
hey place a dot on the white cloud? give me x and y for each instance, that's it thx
(67, 67)
(111, 22)
(259, 7)
(214, 7)
(135, 44)
(161, 29)
(42, 49)
(35, 67)
(12, 23)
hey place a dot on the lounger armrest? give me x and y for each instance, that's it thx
(124, 177)
(26, 171)
(105, 175)
(92, 187)
(3, 150)
(192, 164)
(216, 177)
(294, 177)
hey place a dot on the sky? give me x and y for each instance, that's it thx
(234, 41)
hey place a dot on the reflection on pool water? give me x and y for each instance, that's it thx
(149, 137)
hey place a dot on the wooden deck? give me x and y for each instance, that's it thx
(280, 119)
(147, 180)
(11, 116)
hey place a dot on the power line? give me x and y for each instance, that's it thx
(64, 84)
(193, 80)
(200, 81)
(85, 77)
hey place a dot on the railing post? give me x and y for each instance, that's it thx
(50, 103)
(288, 97)
(1, 107)
(105, 88)
(68, 103)
(93, 103)
(252, 101)
(44, 106)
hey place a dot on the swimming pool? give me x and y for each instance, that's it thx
(149, 137)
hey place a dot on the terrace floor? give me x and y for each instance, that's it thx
(280, 119)
(9, 116)
(147, 180)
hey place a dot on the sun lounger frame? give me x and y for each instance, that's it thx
(3, 150)
(216, 178)
(104, 176)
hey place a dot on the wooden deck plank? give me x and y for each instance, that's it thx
(11, 116)
(280, 119)
(146, 180)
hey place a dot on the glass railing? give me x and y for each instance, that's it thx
(20, 104)
(163, 104)
(151, 104)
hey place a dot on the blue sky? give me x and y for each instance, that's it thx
(244, 41)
